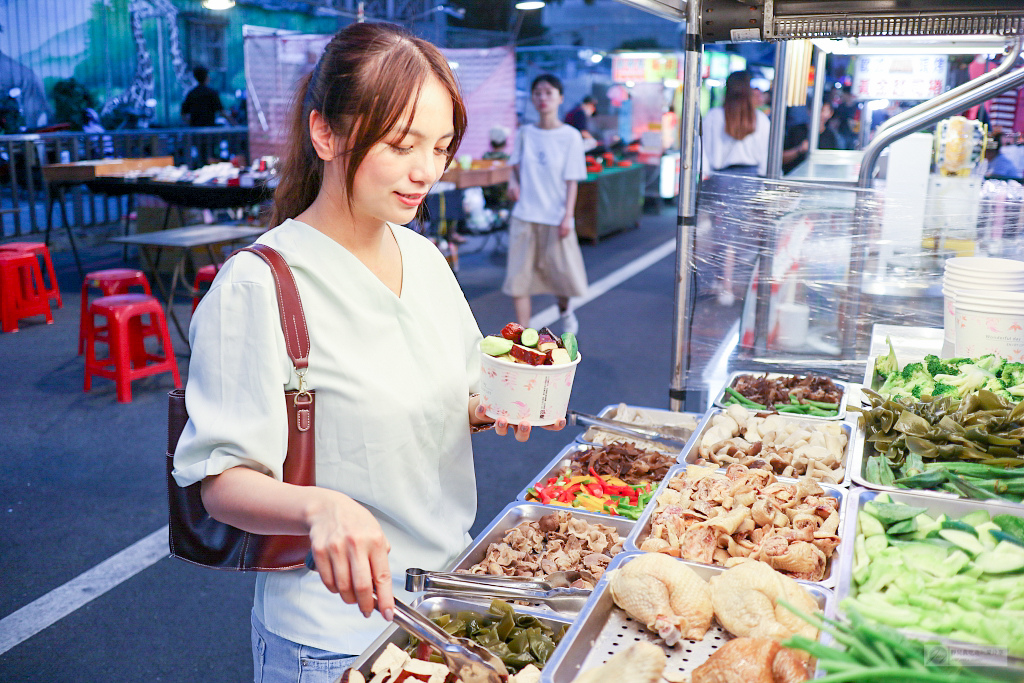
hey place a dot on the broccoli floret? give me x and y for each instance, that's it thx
(996, 386)
(970, 378)
(1012, 374)
(941, 389)
(937, 366)
(913, 370)
(887, 365)
(895, 386)
(991, 363)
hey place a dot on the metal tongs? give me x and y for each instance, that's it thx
(555, 591)
(470, 662)
(673, 437)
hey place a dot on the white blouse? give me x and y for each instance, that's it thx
(720, 150)
(392, 375)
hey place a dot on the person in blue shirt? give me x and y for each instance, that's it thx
(999, 165)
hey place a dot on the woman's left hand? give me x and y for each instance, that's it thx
(501, 425)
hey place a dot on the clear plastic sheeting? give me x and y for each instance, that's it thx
(785, 271)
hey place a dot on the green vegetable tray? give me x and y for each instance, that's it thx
(434, 606)
(643, 525)
(954, 509)
(859, 451)
(692, 451)
(657, 415)
(603, 629)
(840, 414)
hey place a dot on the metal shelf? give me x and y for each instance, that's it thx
(734, 20)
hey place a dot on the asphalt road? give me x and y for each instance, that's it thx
(83, 476)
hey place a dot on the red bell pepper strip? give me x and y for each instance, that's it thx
(544, 497)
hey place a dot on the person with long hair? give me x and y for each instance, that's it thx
(393, 359)
(734, 142)
(544, 254)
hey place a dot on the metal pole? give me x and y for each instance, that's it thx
(686, 225)
(850, 312)
(816, 102)
(1013, 51)
(778, 131)
(766, 243)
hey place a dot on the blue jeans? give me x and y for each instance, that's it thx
(279, 660)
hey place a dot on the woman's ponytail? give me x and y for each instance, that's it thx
(301, 170)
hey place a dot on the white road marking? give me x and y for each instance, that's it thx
(60, 602)
(614, 279)
(47, 610)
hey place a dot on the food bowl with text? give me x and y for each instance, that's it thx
(526, 375)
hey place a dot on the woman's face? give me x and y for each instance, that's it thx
(546, 98)
(395, 175)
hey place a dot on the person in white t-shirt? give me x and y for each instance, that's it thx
(734, 142)
(544, 254)
(393, 359)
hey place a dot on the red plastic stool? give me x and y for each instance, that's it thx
(111, 281)
(40, 250)
(22, 292)
(204, 274)
(125, 335)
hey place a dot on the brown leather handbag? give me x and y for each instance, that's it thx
(197, 537)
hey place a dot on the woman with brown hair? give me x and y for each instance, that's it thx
(734, 142)
(393, 359)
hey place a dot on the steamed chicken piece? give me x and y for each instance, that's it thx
(745, 599)
(751, 660)
(665, 595)
(639, 663)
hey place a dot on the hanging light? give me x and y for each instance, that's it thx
(529, 4)
(218, 4)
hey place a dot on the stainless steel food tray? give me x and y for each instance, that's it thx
(692, 451)
(433, 606)
(951, 507)
(858, 459)
(560, 462)
(643, 525)
(517, 513)
(603, 629)
(840, 414)
(609, 412)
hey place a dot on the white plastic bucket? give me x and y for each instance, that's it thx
(989, 322)
(519, 392)
(793, 324)
(969, 265)
(981, 280)
(948, 302)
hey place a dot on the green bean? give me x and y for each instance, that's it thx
(743, 399)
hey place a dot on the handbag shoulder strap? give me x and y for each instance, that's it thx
(293, 320)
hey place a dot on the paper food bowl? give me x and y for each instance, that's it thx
(519, 392)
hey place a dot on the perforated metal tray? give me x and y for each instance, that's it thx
(433, 606)
(603, 629)
(654, 414)
(643, 525)
(692, 451)
(840, 414)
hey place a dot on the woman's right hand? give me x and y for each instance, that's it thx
(351, 553)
